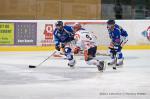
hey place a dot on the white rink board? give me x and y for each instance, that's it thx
(133, 27)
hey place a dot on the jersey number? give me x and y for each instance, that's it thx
(88, 37)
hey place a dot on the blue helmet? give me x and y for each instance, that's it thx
(111, 21)
(59, 23)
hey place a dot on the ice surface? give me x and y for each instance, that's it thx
(55, 80)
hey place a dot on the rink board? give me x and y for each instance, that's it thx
(47, 48)
(38, 34)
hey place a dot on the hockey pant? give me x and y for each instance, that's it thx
(68, 53)
(89, 56)
(116, 51)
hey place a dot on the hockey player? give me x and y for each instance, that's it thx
(87, 41)
(63, 35)
(118, 37)
(124, 34)
(77, 26)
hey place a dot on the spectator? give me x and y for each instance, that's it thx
(118, 10)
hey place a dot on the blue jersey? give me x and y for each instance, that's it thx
(115, 35)
(123, 32)
(63, 36)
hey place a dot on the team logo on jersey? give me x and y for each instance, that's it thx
(146, 33)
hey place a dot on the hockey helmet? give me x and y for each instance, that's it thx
(111, 22)
(59, 23)
(77, 26)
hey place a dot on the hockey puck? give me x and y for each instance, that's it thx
(31, 66)
(114, 68)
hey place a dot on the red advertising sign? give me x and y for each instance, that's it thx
(48, 35)
(48, 32)
(148, 33)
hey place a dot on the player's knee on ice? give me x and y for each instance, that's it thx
(92, 62)
(90, 53)
(89, 56)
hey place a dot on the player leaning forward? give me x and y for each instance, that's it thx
(118, 37)
(63, 36)
(86, 41)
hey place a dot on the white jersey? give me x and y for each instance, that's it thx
(85, 39)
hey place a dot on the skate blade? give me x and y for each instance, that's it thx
(120, 66)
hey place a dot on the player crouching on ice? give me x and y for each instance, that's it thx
(63, 35)
(118, 37)
(87, 42)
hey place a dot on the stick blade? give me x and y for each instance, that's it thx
(32, 66)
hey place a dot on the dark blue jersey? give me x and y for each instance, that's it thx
(64, 35)
(115, 35)
(123, 32)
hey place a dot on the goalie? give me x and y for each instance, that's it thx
(87, 42)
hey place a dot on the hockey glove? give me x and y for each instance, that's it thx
(76, 50)
(57, 48)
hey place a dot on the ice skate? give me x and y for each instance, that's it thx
(112, 62)
(119, 62)
(71, 63)
(101, 66)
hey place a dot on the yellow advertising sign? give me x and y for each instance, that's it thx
(6, 33)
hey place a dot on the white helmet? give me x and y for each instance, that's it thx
(77, 26)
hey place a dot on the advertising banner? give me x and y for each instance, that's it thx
(6, 33)
(48, 35)
(40, 32)
(25, 33)
(45, 30)
(146, 33)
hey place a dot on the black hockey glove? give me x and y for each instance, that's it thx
(57, 48)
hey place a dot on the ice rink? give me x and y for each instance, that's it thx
(55, 80)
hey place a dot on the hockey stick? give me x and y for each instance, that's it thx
(103, 54)
(33, 66)
(114, 67)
